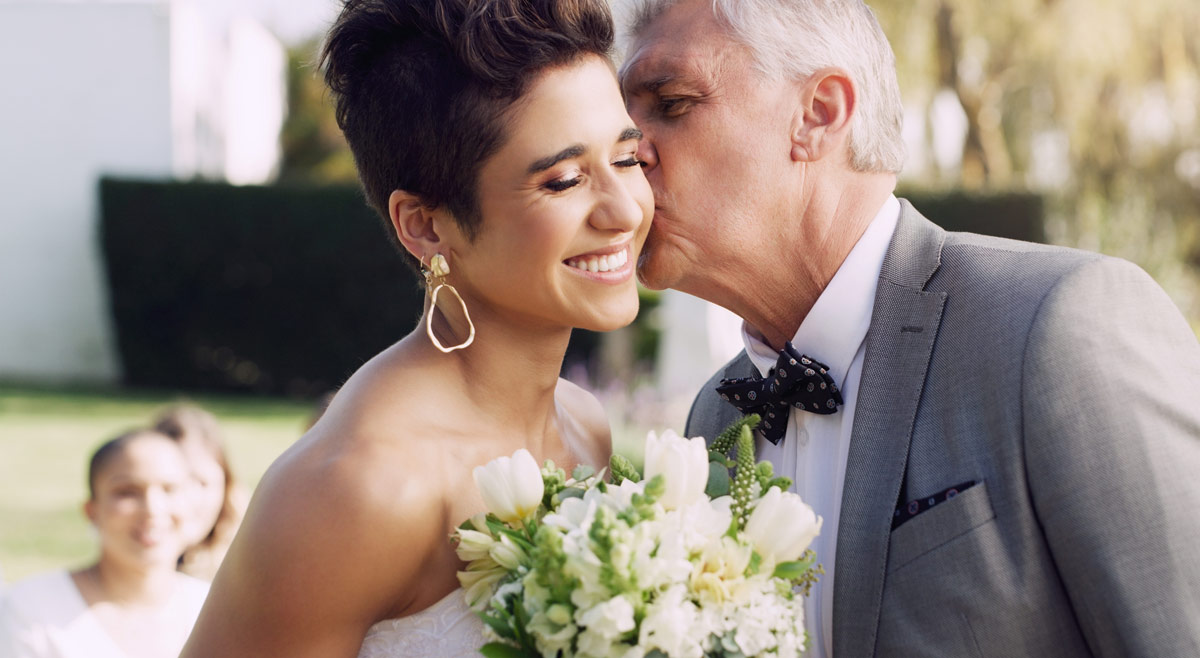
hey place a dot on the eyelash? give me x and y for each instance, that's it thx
(560, 185)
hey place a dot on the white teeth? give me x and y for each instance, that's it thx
(607, 263)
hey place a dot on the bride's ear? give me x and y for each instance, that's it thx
(417, 226)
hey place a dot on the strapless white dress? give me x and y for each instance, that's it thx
(446, 629)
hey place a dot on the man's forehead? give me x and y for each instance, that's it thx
(682, 42)
(667, 61)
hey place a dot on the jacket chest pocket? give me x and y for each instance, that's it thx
(939, 525)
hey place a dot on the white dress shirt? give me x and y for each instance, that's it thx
(814, 449)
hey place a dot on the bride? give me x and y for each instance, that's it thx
(492, 136)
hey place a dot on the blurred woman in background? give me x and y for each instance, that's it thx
(218, 503)
(132, 603)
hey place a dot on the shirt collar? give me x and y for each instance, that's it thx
(838, 322)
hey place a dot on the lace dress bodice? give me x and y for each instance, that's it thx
(446, 629)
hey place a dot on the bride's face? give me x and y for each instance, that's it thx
(565, 208)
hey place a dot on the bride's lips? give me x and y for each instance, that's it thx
(613, 264)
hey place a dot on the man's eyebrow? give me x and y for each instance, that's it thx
(549, 161)
(650, 85)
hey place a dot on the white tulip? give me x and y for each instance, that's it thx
(782, 526)
(683, 463)
(478, 580)
(507, 553)
(473, 545)
(511, 486)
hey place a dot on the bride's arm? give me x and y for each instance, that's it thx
(331, 543)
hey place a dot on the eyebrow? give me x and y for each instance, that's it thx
(549, 161)
(650, 85)
(576, 150)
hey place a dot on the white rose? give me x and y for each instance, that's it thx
(683, 463)
(782, 526)
(511, 486)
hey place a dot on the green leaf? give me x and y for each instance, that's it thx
(793, 570)
(501, 626)
(498, 650)
(519, 537)
(783, 483)
(718, 480)
(496, 525)
(583, 472)
(755, 564)
(569, 492)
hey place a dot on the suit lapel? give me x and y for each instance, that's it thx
(900, 341)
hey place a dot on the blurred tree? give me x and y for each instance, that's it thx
(314, 149)
(1093, 102)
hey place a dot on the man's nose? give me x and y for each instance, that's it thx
(647, 153)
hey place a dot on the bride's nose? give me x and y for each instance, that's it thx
(617, 209)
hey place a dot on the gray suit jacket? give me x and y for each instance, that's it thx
(1068, 386)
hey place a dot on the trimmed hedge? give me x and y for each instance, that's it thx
(268, 289)
(290, 289)
(1018, 216)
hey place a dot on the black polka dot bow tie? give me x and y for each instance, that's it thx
(796, 381)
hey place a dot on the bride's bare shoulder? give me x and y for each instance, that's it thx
(357, 495)
(338, 534)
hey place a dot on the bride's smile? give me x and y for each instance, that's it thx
(612, 261)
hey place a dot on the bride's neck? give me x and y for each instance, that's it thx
(508, 373)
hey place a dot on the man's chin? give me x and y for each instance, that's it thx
(649, 275)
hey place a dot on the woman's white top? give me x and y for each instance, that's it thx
(45, 616)
(446, 629)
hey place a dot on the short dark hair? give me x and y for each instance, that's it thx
(111, 449)
(423, 86)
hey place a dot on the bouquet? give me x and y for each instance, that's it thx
(681, 561)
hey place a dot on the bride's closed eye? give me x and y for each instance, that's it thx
(564, 184)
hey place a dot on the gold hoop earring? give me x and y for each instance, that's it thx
(438, 269)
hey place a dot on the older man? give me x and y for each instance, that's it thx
(1006, 436)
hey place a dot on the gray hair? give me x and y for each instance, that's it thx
(792, 39)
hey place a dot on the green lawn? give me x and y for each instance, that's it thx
(46, 437)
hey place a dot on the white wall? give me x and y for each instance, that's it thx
(135, 88)
(86, 91)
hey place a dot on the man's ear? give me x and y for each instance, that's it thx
(821, 127)
(416, 225)
(89, 511)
